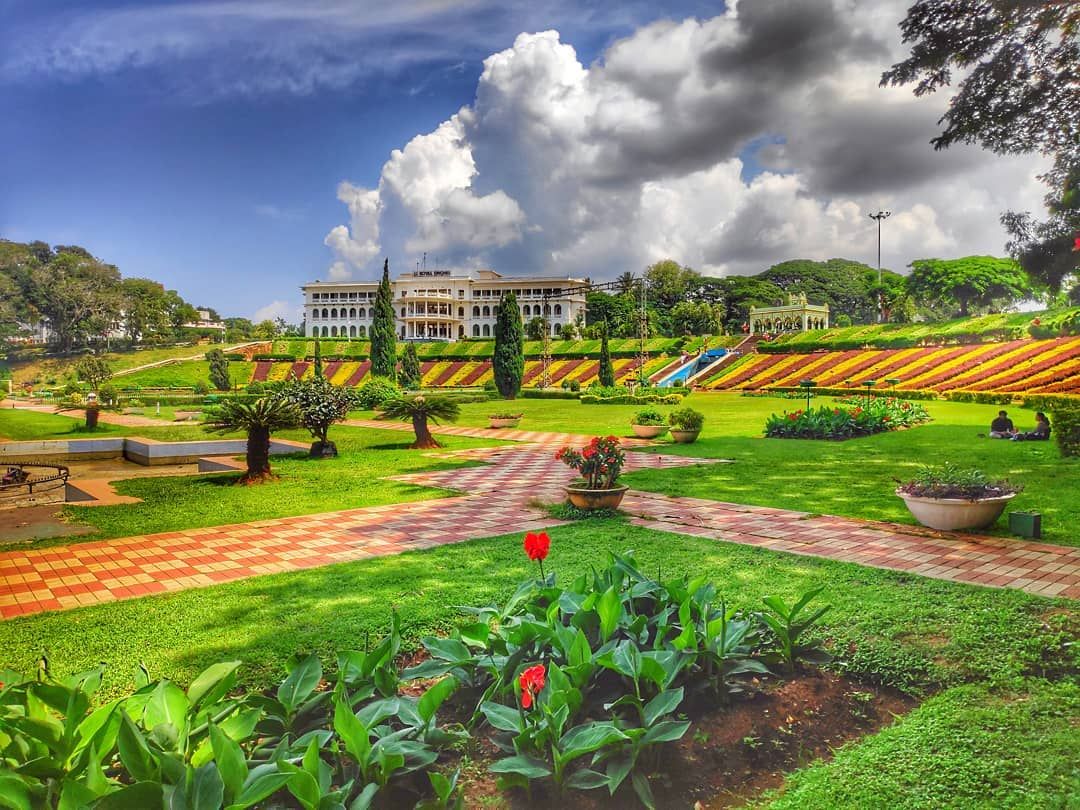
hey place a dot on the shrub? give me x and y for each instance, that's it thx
(200, 388)
(375, 392)
(490, 386)
(1067, 430)
(648, 416)
(575, 386)
(686, 419)
(321, 404)
(546, 393)
(599, 462)
(256, 387)
(845, 421)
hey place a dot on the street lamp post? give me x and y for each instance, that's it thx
(879, 216)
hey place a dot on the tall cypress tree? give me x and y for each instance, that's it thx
(383, 337)
(410, 374)
(318, 358)
(606, 374)
(508, 362)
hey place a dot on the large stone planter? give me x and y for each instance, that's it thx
(684, 436)
(955, 514)
(503, 423)
(596, 498)
(649, 431)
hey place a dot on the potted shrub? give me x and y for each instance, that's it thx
(503, 420)
(949, 498)
(685, 425)
(599, 463)
(648, 423)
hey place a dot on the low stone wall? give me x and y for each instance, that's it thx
(146, 452)
(61, 450)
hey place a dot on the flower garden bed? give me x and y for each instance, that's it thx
(852, 417)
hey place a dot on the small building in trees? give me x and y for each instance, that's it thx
(797, 315)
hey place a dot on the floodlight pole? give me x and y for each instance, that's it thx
(879, 216)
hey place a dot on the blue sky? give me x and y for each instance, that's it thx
(202, 143)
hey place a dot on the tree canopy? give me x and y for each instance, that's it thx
(508, 360)
(969, 284)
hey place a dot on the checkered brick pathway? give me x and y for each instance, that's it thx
(61, 577)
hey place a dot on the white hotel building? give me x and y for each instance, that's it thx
(440, 304)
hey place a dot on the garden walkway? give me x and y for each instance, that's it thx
(500, 499)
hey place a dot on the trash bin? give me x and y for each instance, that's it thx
(1026, 524)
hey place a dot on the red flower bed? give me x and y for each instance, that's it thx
(792, 374)
(447, 373)
(925, 359)
(948, 378)
(592, 369)
(566, 369)
(476, 373)
(533, 369)
(359, 374)
(628, 369)
(752, 368)
(1068, 385)
(298, 369)
(1023, 378)
(262, 370)
(832, 378)
(330, 369)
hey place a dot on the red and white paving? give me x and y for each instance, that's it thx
(499, 497)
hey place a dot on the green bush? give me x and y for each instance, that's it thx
(1066, 429)
(375, 392)
(686, 419)
(545, 393)
(201, 389)
(648, 417)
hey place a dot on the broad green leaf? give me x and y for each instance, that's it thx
(230, 761)
(529, 767)
(586, 779)
(352, 732)
(447, 649)
(140, 796)
(641, 787)
(666, 731)
(664, 703)
(15, 794)
(476, 633)
(366, 797)
(213, 683)
(434, 697)
(207, 789)
(609, 609)
(804, 600)
(504, 718)
(168, 705)
(73, 796)
(350, 665)
(579, 652)
(618, 767)
(300, 683)
(263, 781)
(135, 754)
(587, 738)
(306, 789)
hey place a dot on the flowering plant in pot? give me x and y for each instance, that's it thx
(950, 498)
(504, 419)
(648, 423)
(685, 424)
(599, 464)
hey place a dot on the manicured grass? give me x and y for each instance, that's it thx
(895, 628)
(854, 478)
(355, 479)
(970, 747)
(996, 737)
(18, 425)
(50, 371)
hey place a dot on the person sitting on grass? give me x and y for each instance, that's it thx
(1041, 433)
(1002, 427)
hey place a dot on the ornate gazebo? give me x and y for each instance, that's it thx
(797, 315)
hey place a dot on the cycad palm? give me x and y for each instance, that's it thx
(258, 419)
(419, 410)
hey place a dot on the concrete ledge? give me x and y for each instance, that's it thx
(147, 452)
(62, 450)
(220, 464)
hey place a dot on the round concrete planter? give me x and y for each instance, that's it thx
(684, 436)
(649, 431)
(596, 498)
(954, 514)
(503, 423)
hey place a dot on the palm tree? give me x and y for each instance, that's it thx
(258, 419)
(420, 409)
(627, 283)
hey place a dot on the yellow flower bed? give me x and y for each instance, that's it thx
(966, 357)
(539, 378)
(279, 372)
(887, 359)
(345, 370)
(434, 372)
(1008, 369)
(807, 372)
(735, 369)
(459, 375)
(771, 371)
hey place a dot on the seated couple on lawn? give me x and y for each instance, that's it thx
(1002, 428)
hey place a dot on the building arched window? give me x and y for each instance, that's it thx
(352, 312)
(352, 331)
(325, 314)
(403, 331)
(363, 331)
(487, 312)
(314, 314)
(487, 330)
(558, 309)
(325, 332)
(476, 330)
(333, 312)
(461, 312)
(555, 329)
(476, 312)
(547, 310)
(460, 331)
(333, 331)
(361, 312)
(526, 311)
(403, 312)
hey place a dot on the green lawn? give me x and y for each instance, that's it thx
(49, 371)
(19, 425)
(987, 649)
(855, 478)
(355, 479)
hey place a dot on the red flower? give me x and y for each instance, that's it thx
(531, 682)
(1076, 244)
(537, 545)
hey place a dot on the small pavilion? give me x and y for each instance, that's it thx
(797, 315)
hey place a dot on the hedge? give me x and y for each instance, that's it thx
(1066, 428)
(546, 393)
(633, 399)
(899, 393)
